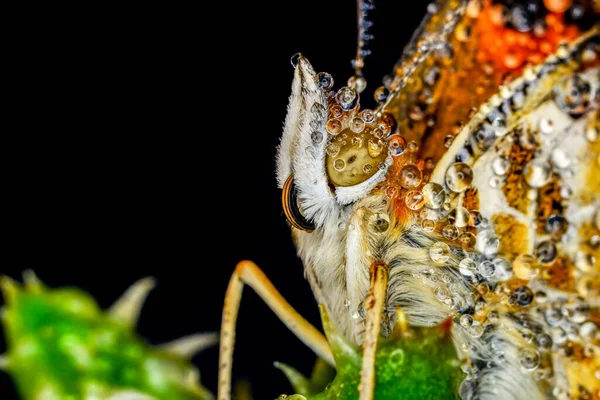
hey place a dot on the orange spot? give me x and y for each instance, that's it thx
(558, 6)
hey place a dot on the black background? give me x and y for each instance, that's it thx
(141, 142)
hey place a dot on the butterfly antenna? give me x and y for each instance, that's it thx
(363, 11)
(414, 55)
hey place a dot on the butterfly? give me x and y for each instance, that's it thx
(452, 234)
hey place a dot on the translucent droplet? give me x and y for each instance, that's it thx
(319, 111)
(391, 192)
(522, 296)
(410, 176)
(487, 242)
(380, 222)
(459, 217)
(467, 239)
(495, 182)
(357, 125)
(486, 268)
(556, 225)
(325, 80)
(441, 293)
(529, 359)
(414, 200)
(543, 341)
(484, 137)
(546, 126)
(524, 267)
(316, 137)
(592, 134)
(504, 269)
(588, 331)
(397, 145)
(347, 98)
(333, 149)
(358, 83)
(537, 173)
(574, 95)
(357, 142)
(412, 146)
(434, 195)
(336, 111)
(450, 232)
(448, 141)
(339, 164)
(334, 126)
(367, 115)
(375, 147)
(459, 177)
(466, 320)
(439, 252)
(467, 266)
(560, 159)
(576, 309)
(546, 252)
(476, 330)
(584, 261)
(381, 94)
(500, 166)
(428, 225)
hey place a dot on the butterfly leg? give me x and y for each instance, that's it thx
(374, 304)
(248, 273)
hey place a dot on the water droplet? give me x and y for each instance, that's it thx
(334, 126)
(466, 320)
(467, 266)
(524, 267)
(367, 168)
(529, 359)
(357, 125)
(357, 142)
(486, 268)
(495, 182)
(459, 217)
(546, 252)
(316, 137)
(441, 293)
(397, 145)
(336, 111)
(556, 225)
(358, 83)
(576, 309)
(434, 195)
(522, 296)
(543, 341)
(500, 166)
(560, 159)
(325, 80)
(439, 252)
(367, 115)
(467, 239)
(380, 222)
(428, 225)
(412, 146)
(381, 94)
(375, 147)
(448, 141)
(347, 98)
(319, 111)
(484, 137)
(414, 200)
(410, 176)
(333, 149)
(339, 164)
(450, 232)
(537, 173)
(591, 133)
(574, 95)
(546, 126)
(487, 242)
(459, 177)
(504, 269)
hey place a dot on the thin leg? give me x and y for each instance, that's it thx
(248, 273)
(374, 308)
